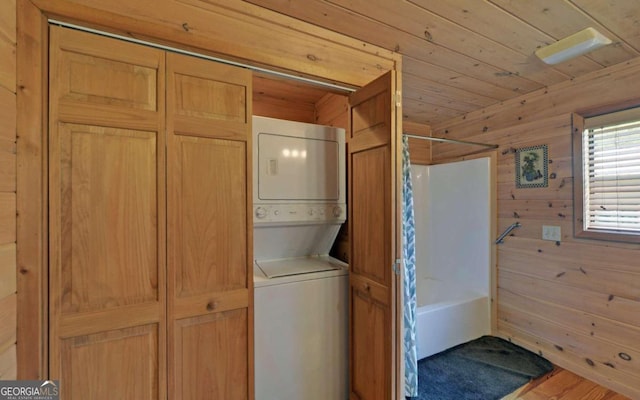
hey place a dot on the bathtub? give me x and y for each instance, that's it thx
(448, 315)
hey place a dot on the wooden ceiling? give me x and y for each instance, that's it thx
(463, 55)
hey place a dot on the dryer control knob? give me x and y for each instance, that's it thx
(337, 211)
(261, 212)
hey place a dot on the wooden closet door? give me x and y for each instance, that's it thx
(210, 294)
(107, 237)
(373, 192)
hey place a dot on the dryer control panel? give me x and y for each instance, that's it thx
(299, 213)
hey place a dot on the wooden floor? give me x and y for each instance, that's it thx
(561, 384)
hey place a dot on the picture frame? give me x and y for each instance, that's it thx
(532, 167)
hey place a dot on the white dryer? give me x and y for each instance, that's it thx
(300, 292)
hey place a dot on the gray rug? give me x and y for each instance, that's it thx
(487, 368)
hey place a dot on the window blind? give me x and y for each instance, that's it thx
(611, 157)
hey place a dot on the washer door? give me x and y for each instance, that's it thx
(301, 336)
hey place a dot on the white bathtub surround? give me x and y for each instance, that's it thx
(448, 316)
(453, 253)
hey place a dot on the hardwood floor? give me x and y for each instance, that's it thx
(561, 384)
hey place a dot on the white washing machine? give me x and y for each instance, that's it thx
(301, 331)
(300, 293)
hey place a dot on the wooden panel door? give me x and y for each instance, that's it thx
(210, 311)
(373, 192)
(107, 237)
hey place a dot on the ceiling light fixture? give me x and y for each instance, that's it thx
(572, 46)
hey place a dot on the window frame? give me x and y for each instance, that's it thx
(579, 231)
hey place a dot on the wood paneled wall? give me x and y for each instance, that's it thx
(332, 109)
(419, 149)
(576, 302)
(277, 98)
(7, 189)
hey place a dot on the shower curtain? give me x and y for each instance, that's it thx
(409, 282)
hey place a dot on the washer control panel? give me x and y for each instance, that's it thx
(300, 213)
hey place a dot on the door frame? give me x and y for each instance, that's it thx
(32, 144)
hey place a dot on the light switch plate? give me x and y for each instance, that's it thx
(551, 232)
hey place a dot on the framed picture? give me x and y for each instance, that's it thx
(532, 167)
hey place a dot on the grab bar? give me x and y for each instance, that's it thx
(507, 231)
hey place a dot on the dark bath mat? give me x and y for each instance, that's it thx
(487, 368)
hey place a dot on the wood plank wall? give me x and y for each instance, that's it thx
(8, 365)
(419, 150)
(277, 98)
(576, 302)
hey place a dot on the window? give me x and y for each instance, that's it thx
(607, 176)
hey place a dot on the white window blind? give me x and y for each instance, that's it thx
(611, 179)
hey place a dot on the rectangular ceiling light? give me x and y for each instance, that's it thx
(572, 46)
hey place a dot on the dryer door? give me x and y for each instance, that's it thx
(297, 168)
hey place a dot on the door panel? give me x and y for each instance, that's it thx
(373, 192)
(210, 317)
(88, 358)
(208, 100)
(369, 115)
(109, 253)
(210, 209)
(212, 344)
(369, 336)
(371, 224)
(107, 218)
(125, 85)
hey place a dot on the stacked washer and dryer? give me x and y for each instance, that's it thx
(301, 293)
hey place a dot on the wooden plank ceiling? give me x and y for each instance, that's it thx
(463, 55)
